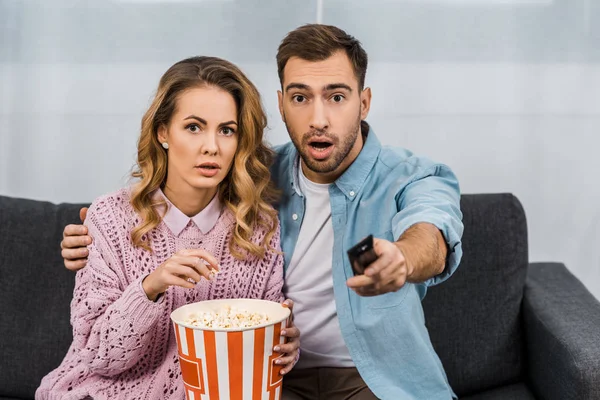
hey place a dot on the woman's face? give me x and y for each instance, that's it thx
(202, 137)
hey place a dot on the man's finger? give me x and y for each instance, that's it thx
(285, 360)
(291, 332)
(389, 274)
(286, 370)
(75, 230)
(377, 266)
(360, 281)
(74, 242)
(74, 254)
(288, 347)
(83, 213)
(384, 257)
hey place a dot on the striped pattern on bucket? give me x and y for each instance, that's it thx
(230, 365)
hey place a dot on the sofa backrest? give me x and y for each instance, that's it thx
(474, 318)
(36, 292)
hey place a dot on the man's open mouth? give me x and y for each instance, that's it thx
(320, 145)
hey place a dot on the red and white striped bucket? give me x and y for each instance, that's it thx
(235, 363)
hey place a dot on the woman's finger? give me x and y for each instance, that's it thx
(172, 280)
(183, 271)
(201, 253)
(196, 263)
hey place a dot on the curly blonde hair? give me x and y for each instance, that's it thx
(246, 190)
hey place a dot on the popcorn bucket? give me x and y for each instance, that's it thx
(230, 363)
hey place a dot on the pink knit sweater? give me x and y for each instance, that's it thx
(123, 344)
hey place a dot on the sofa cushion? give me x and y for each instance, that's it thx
(36, 293)
(518, 391)
(474, 318)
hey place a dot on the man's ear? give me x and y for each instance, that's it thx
(280, 104)
(365, 103)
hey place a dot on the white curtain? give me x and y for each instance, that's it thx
(507, 92)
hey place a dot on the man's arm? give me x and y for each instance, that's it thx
(74, 244)
(419, 255)
(424, 250)
(429, 228)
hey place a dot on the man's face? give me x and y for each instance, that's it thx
(322, 107)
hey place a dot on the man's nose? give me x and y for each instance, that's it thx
(319, 120)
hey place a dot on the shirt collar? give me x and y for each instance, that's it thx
(353, 179)
(176, 220)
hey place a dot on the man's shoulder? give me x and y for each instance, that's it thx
(284, 155)
(284, 150)
(406, 162)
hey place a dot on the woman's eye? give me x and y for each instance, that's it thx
(193, 128)
(228, 131)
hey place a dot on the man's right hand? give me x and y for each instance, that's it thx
(73, 245)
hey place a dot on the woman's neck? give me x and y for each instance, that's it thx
(188, 200)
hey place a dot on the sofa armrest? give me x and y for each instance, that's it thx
(562, 327)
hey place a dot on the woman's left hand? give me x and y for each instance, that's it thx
(290, 349)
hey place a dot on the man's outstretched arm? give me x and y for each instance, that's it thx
(429, 229)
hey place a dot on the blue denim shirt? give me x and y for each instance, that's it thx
(383, 192)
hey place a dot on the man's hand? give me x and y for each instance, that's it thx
(291, 349)
(73, 245)
(386, 274)
(418, 255)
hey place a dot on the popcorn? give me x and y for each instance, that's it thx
(229, 317)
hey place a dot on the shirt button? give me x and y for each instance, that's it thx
(352, 193)
(294, 216)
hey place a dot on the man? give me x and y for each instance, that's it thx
(363, 337)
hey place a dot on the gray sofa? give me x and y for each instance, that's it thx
(504, 328)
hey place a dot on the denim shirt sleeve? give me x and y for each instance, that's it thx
(433, 196)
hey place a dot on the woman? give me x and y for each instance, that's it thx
(201, 205)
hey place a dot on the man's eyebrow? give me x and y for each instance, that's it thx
(335, 86)
(295, 85)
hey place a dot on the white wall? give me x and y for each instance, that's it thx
(505, 92)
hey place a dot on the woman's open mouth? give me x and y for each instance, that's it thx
(208, 169)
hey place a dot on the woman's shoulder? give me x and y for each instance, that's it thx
(112, 209)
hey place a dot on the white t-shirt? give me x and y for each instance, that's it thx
(309, 282)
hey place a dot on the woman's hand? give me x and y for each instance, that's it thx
(291, 349)
(185, 269)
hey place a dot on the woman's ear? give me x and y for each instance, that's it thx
(162, 134)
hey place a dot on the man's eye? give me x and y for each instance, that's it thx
(299, 98)
(337, 98)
